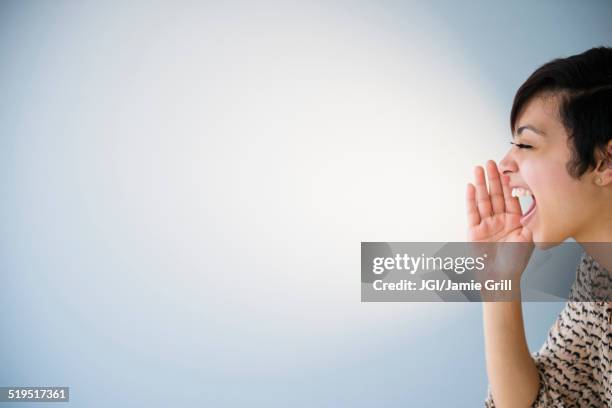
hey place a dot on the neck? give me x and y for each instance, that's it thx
(597, 240)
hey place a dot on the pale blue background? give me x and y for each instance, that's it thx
(185, 185)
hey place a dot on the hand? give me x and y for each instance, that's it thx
(494, 217)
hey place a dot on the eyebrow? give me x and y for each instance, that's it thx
(530, 127)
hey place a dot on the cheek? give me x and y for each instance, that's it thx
(560, 203)
(550, 181)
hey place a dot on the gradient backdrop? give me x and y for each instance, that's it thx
(185, 186)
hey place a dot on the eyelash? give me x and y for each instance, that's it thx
(522, 146)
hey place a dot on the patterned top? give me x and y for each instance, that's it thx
(575, 362)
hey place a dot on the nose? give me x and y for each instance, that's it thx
(508, 165)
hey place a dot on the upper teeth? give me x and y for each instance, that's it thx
(520, 192)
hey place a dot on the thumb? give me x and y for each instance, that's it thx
(527, 235)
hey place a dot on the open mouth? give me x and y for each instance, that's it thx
(528, 203)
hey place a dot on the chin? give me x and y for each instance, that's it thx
(545, 240)
(545, 245)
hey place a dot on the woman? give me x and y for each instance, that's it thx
(561, 123)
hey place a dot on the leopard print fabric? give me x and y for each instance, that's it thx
(575, 361)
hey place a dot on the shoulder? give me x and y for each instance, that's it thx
(593, 283)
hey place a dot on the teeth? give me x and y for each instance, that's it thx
(521, 192)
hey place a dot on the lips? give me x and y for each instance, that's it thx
(530, 212)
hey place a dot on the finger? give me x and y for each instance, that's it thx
(473, 218)
(495, 188)
(513, 205)
(482, 194)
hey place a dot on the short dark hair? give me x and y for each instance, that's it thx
(584, 82)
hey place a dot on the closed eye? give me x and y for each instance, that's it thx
(522, 145)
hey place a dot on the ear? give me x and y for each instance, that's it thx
(603, 172)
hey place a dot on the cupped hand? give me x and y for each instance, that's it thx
(493, 215)
(494, 220)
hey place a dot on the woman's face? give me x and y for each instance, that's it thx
(565, 206)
